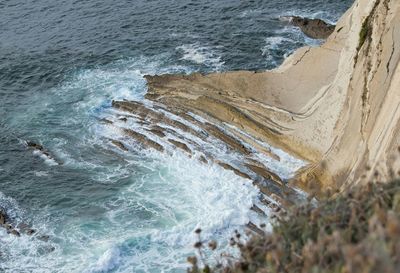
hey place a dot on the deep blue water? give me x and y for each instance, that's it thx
(61, 64)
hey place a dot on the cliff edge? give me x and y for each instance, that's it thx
(336, 105)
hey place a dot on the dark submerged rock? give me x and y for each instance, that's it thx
(43, 238)
(15, 232)
(41, 149)
(2, 218)
(4, 222)
(313, 28)
(25, 228)
(119, 144)
(34, 145)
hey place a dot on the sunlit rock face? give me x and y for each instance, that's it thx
(335, 105)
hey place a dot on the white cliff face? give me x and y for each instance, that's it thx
(352, 120)
(366, 131)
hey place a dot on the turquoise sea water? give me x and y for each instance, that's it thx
(61, 65)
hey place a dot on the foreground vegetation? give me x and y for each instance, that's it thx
(355, 232)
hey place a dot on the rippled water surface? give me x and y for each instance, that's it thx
(61, 64)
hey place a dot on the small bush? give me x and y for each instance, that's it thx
(358, 231)
(364, 32)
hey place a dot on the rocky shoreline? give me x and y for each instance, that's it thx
(334, 106)
(162, 122)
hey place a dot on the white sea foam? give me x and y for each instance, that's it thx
(107, 262)
(87, 94)
(24, 253)
(10, 206)
(41, 173)
(47, 159)
(272, 44)
(149, 224)
(204, 55)
(250, 13)
(189, 195)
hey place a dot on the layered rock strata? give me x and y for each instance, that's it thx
(336, 105)
(162, 126)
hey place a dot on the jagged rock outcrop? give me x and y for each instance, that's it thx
(42, 151)
(336, 106)
(11, 229)
(313, 28)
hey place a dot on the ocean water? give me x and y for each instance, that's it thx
(61, 64)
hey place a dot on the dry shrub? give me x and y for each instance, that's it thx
(356, 232)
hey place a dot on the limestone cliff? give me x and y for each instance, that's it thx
(336, 105)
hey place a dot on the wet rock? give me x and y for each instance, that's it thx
(138, 109)
(2, 218)
(231, 141)
(230, 168)
(188, 117)
(106, 121)
(41, 149)
(203, 159)
(285, 202)
(180, 145)
(6, 225)
(257, 210)
(43, 250)
(158, 131)
(150, 115)
(34, 145)
(313, 28)
(263, 189)
(124, 119)
(30, 232)
(43, 238)
(25, 228)
(164, 121)
(119, 144)
(14, 232)
(10, 229)
(251, 226)
(264, 201)
(264, 172)
(145, 141)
